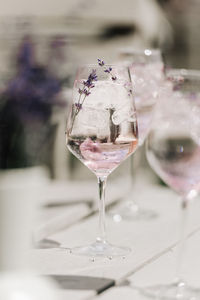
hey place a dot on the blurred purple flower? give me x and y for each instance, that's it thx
(25, 56)
(25, 110)
(33, 91)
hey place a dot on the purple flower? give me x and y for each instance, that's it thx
(87, 93)
(88, 84)
(108, 70)
(78, 105)
(101, 62)
(92, 76)
(80, 91)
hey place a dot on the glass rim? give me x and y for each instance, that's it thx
(183, 72)
(93, 65)
(149, 51)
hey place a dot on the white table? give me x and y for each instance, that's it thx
(153, 244)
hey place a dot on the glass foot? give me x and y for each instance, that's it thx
(101, 249)
(131, 211)
(175, 291)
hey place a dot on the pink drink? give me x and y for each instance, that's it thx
(176, 159)
(101, 156)
(104, 132)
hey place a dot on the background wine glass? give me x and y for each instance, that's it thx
(102, 132)
(173, 151)
(146, 69)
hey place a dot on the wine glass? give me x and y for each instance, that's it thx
(173, 151)
(146, 69)
(102, 132)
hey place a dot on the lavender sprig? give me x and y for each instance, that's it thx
(78, 105)
(84, 92)
(100, 62)
(87, 85)
(108, 70)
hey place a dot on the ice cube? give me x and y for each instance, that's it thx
(94, 117)
(107, 94)
(124, 114)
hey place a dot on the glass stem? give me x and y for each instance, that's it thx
(102, 227)
(132, 174)
(183, 235)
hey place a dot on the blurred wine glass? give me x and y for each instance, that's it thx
(146, 69)
(173, 151)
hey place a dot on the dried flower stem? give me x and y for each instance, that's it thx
(87, 85)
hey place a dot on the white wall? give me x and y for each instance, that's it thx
(36, 7)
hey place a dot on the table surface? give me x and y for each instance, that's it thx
(68, 219)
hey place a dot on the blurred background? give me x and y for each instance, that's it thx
(41, 44)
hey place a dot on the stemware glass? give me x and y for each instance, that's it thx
(173, 151)
(102, 132)
(146, 69)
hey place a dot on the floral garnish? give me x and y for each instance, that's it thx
(101, 62)
(88, 85)
(114, 78)
(84, 92)
(78, 105)
(108, 70)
